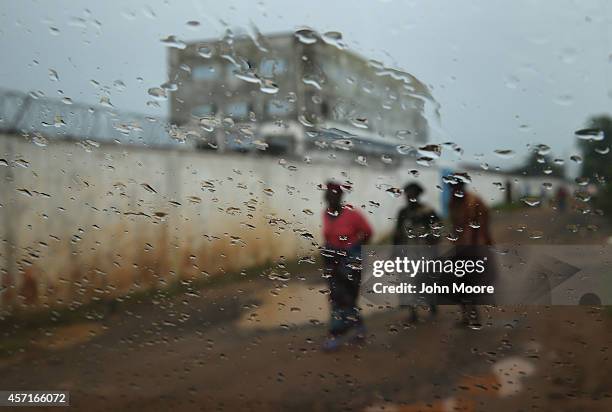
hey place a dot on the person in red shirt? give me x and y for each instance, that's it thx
(345, 229)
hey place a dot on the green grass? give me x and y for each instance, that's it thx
(508, 207)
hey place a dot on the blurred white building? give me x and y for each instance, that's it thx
(294, 94)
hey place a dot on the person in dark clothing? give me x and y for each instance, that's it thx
(561, 198)
(344, 231)
(417, 225)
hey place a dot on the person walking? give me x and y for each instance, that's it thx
(417, 225)
(561, 198)
(345, 230)
(470, 220)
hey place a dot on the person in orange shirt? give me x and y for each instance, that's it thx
(345, 230)
(469, 217)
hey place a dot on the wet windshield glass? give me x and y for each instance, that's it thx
(386, 205)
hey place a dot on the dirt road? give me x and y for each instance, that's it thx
(255, 345)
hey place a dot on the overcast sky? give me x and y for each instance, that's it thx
(506, 73)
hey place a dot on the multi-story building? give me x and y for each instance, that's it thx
(294, 94)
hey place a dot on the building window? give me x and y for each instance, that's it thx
(272, 67)
(279, 107)
(203, 110)
(205, 72)
(237, 110)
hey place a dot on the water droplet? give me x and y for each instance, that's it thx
(312, 81)
(394, 192)
(432, 151)
(22, 163)
(536, 234)
(158, 93)
(582, 181)
(148, 188)
(458, 177)
(119, 85)
(403, 134)
(343, 144)
(170, 86)
(542, 149)
(386, 159)
(404, 149)
(268, 86)
(531, 201)
(453, 237)
(149, 13)
(105, 101)
(360, 122)
(53, 76)
(424, 161)
(205, 52)
(306, 35)
(260, 144)
(505, 153)
(582, 196)
(305, 121)
(333, 38)
(590, 134)
(39, 140)
(576, 158)
(173, 42)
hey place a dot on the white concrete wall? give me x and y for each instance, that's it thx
(79, 225)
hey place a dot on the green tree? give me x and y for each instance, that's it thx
(539, 164)
(595, 143)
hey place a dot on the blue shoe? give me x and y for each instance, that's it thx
(331, 344)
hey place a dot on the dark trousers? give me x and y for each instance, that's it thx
(344, 280)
